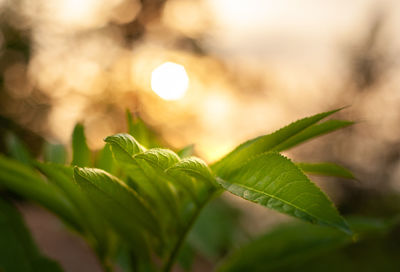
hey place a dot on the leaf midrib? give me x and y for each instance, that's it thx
(275, 197)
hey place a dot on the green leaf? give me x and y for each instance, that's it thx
(289, 245)
(54, 153)
(131, 219)
(162, 158)
(105, 160)
(312, 132)
(186, 257)
(154, 163)
(264, 143)
(124, 147)
(121, 205)
(275, 182)
(148, 180)
(141, 132)
(22, 180)
(58, 175)
(326, 169)
(194, 176)
(18, 252)
(186, 152)
(80, 149)
(216, 230)
(17, 149)
(146, 168)
(194, 167)
(89, 218)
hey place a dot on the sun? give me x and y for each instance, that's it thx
(170, 81)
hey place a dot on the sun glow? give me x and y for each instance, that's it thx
(170, 81)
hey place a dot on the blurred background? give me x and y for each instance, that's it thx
(212, 73)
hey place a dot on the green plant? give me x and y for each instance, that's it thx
(141, 202)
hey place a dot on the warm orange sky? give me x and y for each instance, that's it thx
(270, 62)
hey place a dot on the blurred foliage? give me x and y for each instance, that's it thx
(167, 195)
(18, 251)
(300, 247)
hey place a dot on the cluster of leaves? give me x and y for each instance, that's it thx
(142, 200)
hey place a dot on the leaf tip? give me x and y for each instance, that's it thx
(342, 225)
(78, 171)
(107, 139)
(346, 229)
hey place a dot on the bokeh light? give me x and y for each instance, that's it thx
(170, 81)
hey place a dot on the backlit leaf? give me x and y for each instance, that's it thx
(326, 169)
(89, 217)
(54, 153)
(154, 163)
(107, 190)
(275, 182)
(24, 181)
(141, 132)
(186, 152)
(148, 178)
(80, 149)
(195, 176)
(105, 160)
(312, 132)
(265, 143)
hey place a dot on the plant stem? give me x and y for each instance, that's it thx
(103, 258)
(174, 254)
(107, 266)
